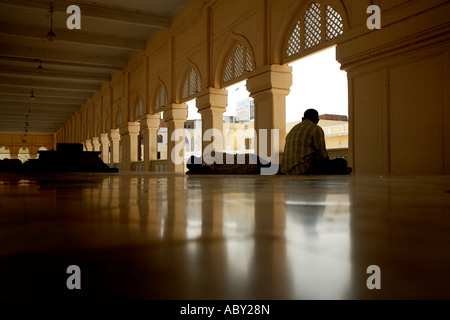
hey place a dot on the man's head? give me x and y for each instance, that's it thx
(312, 115)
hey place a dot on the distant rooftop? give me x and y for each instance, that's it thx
(333, 117)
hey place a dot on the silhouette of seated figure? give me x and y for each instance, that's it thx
(305, 151)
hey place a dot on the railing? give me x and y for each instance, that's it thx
(137, 166)
(337, 130)
(116, 165)
(338, 153)
(159, 165)
(156, 165)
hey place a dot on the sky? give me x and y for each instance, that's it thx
(318, 83)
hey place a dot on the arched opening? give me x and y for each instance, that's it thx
(118, 124)
(138, 114)
(161, 97)
(160, 102)
(318, 81)
(316, 28)
(192, 85)
(24, 154)
(41, 149)
(239, 63)
(193, 125)
(239, 120)
(193, 132)
(140, 148)
(162, 139)
(4, 153)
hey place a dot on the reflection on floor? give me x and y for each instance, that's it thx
(171, 236)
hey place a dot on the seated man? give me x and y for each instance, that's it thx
(305, 151)
(228, 164)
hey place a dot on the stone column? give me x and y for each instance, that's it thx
(211, 104)
(150, 126)
(95, 144)
(175, 118)
(88, 145)
(269, 88)
(114, 140)
(129, 135)
(104, 147)
(14, 152)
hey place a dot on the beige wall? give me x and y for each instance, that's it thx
(399, 92)
(33, 142)
(397, 75)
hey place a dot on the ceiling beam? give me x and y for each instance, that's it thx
(19, 124)
(23, 111)
(53, 84)
(49, 128)
(108, 62)
(21, 119)
(63, 35)
(53, 124)
(45, 92)
(70, 65)
(27, 72)
(38, 99)
(109, 13)
(39, 131)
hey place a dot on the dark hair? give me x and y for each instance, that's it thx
(311, 114)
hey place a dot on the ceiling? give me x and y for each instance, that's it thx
(75, 64)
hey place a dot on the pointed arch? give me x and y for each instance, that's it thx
(107, 123)
(83, 133)
(118, 117)
(99, 127)
(316, 27)
(160, 97)
(90, 130)
(138, 107)
(238, 60)
(239, 64)
(192, 83)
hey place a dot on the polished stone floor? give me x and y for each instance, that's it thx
(174, 236)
